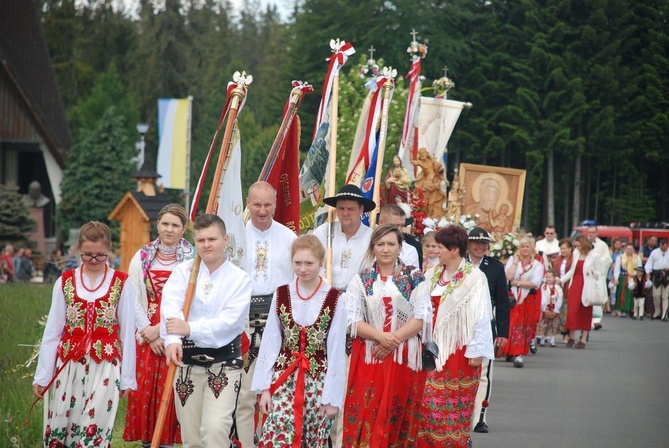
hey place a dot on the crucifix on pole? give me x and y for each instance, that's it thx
(445, 71)
(413, 34)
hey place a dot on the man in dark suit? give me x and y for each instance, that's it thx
(479, 240)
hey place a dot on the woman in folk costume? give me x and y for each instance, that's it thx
(149, 270)
(385, 376)
(88, 348)
(460, 328)
(579, 317)
(301, 366)
(623, 271)
(524, 273)
(561, 266)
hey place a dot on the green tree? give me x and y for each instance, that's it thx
(87, 113)
(15, 220)
(97, 174)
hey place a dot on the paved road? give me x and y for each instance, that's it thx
(612, 394)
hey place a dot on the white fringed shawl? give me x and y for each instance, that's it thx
(371, 309)
(464, 302)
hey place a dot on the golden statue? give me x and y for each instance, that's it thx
(456, 198)
(432, 181)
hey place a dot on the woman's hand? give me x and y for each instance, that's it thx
(158, 347)
(379, 352)
(475, 362)
(37, 390)
(388, 341)
(265, 402)
(124, 393)
(150, 333)
(327, 411)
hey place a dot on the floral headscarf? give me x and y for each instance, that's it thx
(185, 251)
(405, 281)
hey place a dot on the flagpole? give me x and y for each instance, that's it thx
(383, 134)
(188, 143)
(332, 170)
(237, 95)
(294, 102)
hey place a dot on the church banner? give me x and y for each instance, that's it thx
(436, 122)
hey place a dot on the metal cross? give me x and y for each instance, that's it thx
(371, 52)
(445, 71)
(414, 33)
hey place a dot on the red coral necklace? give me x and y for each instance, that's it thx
(297, 288)
(81, 277)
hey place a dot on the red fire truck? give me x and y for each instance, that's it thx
(637, 232)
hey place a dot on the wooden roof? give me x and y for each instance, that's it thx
(26, 66)
(149, 205)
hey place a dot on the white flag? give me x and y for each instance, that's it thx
(436, 121)
(230, 203)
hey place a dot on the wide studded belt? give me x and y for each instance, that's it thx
(259, 310)
(205, 357)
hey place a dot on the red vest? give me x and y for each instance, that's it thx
(91, 328)
(310, 341)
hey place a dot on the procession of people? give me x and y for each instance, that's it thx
(387, 354)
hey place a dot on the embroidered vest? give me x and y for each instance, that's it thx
(154, 284)
(312, 342)
(91, 328)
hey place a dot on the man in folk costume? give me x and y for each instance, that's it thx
(350, 237)
(269, 266)
(393, 214)
(657, 271)
(479, 240)
(350, 240)
(207, 347)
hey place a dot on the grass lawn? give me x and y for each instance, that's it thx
(21, 307)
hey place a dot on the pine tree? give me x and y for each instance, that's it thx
(97, 174)
(15, 220)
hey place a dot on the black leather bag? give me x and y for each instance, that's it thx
(430, 354)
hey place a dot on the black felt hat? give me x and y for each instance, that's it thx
(351, 192)
(479, 234)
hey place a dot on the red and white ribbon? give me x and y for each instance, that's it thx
(342, 51)
(205, 167)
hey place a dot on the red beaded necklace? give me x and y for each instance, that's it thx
(297, 288)
(81, 277)
(441, 281)
(166, 259)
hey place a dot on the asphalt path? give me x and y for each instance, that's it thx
(612, 394)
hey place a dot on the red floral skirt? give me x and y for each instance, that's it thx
(523, 322)
(445, 415)
(144, 403)
(381, 402)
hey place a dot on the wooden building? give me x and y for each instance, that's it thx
(34, 136)
(138, 213)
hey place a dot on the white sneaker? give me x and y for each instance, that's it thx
(519, 361)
